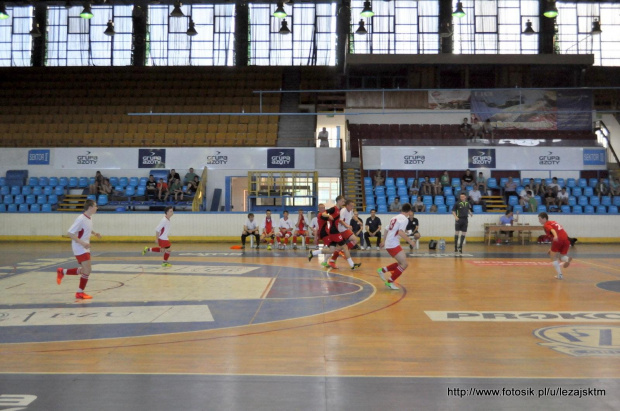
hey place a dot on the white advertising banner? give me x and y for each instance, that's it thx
(494, 158)
(219, 158)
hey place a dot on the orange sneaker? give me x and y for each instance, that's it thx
(59, 275)
(82, 296)
(332, 264)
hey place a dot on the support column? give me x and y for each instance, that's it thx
(242, 34)
(139, 18)
(547, 30)
(38, 43)
(343, 28)
(445, 26)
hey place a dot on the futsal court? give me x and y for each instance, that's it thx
(269, 330)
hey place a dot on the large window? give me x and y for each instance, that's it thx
(74, 41)
(495, 27)
(169, 44)
(398, 27)
(312, 40)
(15, 39)
(575, 31)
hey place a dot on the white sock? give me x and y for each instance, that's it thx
(316, 252)
(556, 264)
(564, 258)
(80, 290)
(350, 261)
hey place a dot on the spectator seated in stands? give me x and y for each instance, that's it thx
(414, 190)
(550, 198)
(192, 186)
(189, 177)
(105, 187)
(151, 187)
(601, 189)
(433, 209)
(540, 188)
(437, 188)
(94, 188)
(475, 197)
(172, 176)
(487, 129)
(396, 205)
(467, 180)
(554, 185)
(445, 180)
(465, 129)
(481, 182)
(175, 190)
(426, 187)
(418, 206)
(378, 178)
(614, 186)
(532, 203)
(476, 129)
(561, 198)
(162, 190)
(524, 197)
(510, 189)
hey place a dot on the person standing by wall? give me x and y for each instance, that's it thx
(461, 212)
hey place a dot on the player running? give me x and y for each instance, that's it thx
(161, 237)
(392, 235)
(559, 245)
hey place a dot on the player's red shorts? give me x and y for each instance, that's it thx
(336, 239)
(394, 251)
(301, 232)
(283, 233)
(326, 241)
(268, 234)
(346, 234)
(164, 243)
(82, 257)
(560, 246)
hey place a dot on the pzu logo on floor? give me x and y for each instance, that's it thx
(16, 402)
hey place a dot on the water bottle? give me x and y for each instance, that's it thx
(442, 244)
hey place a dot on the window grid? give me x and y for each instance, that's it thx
(15, 39)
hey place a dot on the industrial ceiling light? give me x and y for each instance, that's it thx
(87, 13)
(367, 11)
(596, 27)
(284, 29)
(361, 29)
(528, 29)
(458, 13)
(551, 11)
(280, 13)
(191, 31)
(176, 11)
(3, 14)
(35, 32)
(110, 30)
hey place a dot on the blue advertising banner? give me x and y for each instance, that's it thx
(281, 158)
(481, 158)
(152, 158)
(594, 157)
(38, 157)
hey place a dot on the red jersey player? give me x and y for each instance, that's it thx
(268, 233)
(559, 245)
(396, 230)
(162, 231)
(80, 233)
(301, 229)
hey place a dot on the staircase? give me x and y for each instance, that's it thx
(72, 202)
(294, 131)
(495, 204)
(352, 183)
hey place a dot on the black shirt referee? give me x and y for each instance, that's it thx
(461, 212)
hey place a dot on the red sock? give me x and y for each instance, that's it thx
(166, 256)
(308, 241)
(83, 281)
(285, 241)
(295, 239)
(155, 249)
(335, 255)
(390, 267)
(350, 245)
(72, 271)
(396, 273)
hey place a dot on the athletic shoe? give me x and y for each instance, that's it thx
(146, 249)
(460, 251)
(59, 275)
(82, 296)
(310, 255)
(559, 277)
(243, 247)
(295, 247)
(356, 265)
(410, 247)
(324, 263)
(165, 264)
(378, 248)
(362, 248)
(269, 247)
(567, 263)
(257, 247)
(381, 273)
(332, 264)
(391, 286)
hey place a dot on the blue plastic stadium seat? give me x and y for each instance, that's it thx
(59, 190)
(588, 191)
(572, 201)
(5, 190)
(91, 180)
(31, 199)
(47, 190)
(442, 209)
(517, 208)
(548, 181)
(19, 199)
(113, 181)
(390, 199)
(123, 181)
(52, 199)
(582, 182)
(447, 191)
(439, 200)
(37, 190)
(43, 181)
(410, 181)
(427, 200)
(42, 199)
(2, 208)
(601, 209)
(367, 181)
(26, 190)
(477, 208)
(595, 201)
(53, 181)
(12, 208)
(577, 191)
(571, 182)
(592, 182)
(82, 182)
(35, 208)
(16, 190)
(503, 181)
(389, 182)
(537, 181)
(67, 182)
(456, 182)
(588, 209)
(565, 209)
(47, 208)
(513, 200)
(561, 182)
(616, 201)
(525, 181)
(606, 201)
(382, 208)
(492, 182)
(33, 181)
(141, 191)
(391, 191)
(541, 209)
(102, 200)
(381, 200)
(582, 201)
(144, 180)
(577, 209)
(2, 181)
(450, 200)
(380, 190)
(91, 197)
(613, 209)
(133, 181)
(23, 208)
(8, 199)
(400, 181)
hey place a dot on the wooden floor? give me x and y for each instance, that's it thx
(494, 314)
